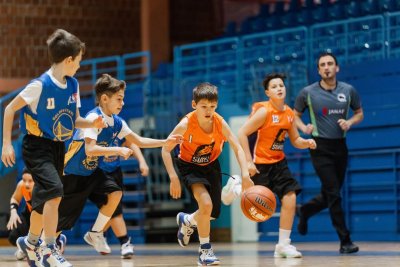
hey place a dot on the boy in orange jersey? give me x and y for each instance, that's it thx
(18, 224)
(204, 133)
(272, 121)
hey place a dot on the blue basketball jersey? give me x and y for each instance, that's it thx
(110, 164)
(76, 161)
(56, 111)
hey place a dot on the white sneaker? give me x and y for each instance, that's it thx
(207, 256)
(98, 241)
(127, 250)
(52, 257)
(184, 231)
(286, 250)
(20, 255)
(231, 190)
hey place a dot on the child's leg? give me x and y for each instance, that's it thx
(284, 249)
(50, 219)
(35, 228)
(107, 210)
(203, 214)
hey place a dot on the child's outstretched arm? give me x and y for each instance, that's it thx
(240, 155)
(8, 153)
(175, 186)
(145, 142)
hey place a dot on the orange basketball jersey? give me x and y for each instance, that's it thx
(199, 147)
(27, 196)
(271, 135)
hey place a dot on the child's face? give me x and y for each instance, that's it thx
(205, 109)
(113, 105)
(28, 181)
(73, 64)
(276, 89)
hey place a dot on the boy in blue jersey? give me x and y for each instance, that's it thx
(48, 117)
(112, 167)
(83, 176)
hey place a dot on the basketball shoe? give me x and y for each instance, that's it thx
(98, 241)
(61, 242)
(231, 190)
(185, 230)
(207, 256)
(127, 250)
(32, 252)
(286, 250)
(52, 257)
(20, 255)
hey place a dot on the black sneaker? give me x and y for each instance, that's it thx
(302, 226)
(348, 248)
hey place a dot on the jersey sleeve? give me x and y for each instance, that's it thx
(125, 130)
(355, 101)
(301, 101)
(91, 133)
(31, 93)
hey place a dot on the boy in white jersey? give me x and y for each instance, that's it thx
(49, 115)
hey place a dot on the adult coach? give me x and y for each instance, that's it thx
(328, 102)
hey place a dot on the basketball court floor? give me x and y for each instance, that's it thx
(238, 254)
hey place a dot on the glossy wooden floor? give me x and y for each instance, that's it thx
(242, 254)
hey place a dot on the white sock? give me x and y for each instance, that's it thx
(284, 235)
(204, 240)
(191, 220)
(100, 223)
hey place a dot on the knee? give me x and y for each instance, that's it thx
(206, 207)
(289, 201)
(115, 196)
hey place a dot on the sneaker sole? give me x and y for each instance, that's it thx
(127, 256)
(209, 264)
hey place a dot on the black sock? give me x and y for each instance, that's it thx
(123, 239)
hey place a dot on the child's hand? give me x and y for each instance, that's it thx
(99, 123)
(8, 155)
(144, 169)
(174, 139)
(311, 143)
(175, 188)
(252, 168)
(125, 152)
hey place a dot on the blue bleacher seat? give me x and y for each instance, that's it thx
(369, 7)
(353, 9)
(387, 5)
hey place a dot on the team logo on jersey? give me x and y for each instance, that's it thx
(91, 163)
(275, 119)
(341, 97)
(277, 145)
(290, 118)
(72, 98)
(63, 125)
(202, 154)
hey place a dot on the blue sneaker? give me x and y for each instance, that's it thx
(53, 258)
(207, 256)
(32, 252)
(61, 243)
(184, 231)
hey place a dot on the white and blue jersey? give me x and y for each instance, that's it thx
(55, 114)
(76, 161)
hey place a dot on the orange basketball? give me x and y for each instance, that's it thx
(258, 203)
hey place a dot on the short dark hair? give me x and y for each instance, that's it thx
(62, 44)
(108, 85)
(324, 54)
(206, 91)
(271, 76)
(25, 170)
